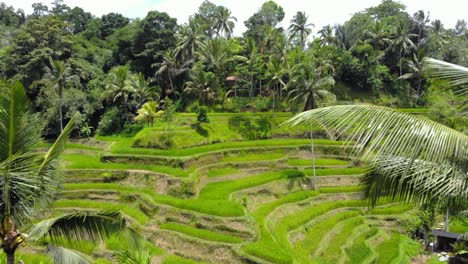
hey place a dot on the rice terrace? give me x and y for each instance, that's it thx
(143, 139)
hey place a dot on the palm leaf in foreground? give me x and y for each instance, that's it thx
(403, 149)
(80, 226)
(456, 74)
(62, 255)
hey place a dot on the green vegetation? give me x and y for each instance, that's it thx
(222, 190)
(318, 162)
(201, 233)
(360, 249)
(221, 172)
(80, 161)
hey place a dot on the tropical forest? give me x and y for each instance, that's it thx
(151, 140)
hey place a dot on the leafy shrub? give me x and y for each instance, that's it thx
(261, 103)
(131, 130)
(260, 128)
(202, 116)
(111, 122)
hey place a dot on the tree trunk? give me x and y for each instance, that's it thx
(273, 113)
(60, 107)
(446, 220)
(418, 91)
(312, 183)
(10, 257)
(401, 73)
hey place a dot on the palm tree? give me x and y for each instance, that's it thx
(275, 72)
(189, 40)
(415, 67)
(223, 21)
(201, 84)
(213, 54)
(378, 36)
(30, 181)
(121, 85)
(310, 83)
(57, 75)
(402, 43)
(326, 35)
(300, 27)
(342, 38)
(421, 20)
(148, 113)
(143, 91)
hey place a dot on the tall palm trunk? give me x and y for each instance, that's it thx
(312, 183)
(401, 71)
(61, 106)
(10, 257)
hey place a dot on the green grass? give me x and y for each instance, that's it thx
(314, 234)
(458, 226)
(392, 209)
(222, 190)
(89, 204)
(201, 233)
(172, 259)
(29, 258)
(252, 157)
(218, 172)
(340, 189)
(318, 162)
(337, 171)
(123, 145)
(206, 206)
(70, 146)
(77, 161)
(360, 250)
(275, 247)
(397, 249)
(333, 252)
(266, 248)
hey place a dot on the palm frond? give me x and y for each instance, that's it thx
(414, 155)
(134, 257)
(80, 226)
(417, 181)
(457, 75)
(62, 255)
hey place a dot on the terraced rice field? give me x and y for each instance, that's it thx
(237, 202)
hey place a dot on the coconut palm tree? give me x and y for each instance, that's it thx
(30, 181)
(224, 22)
(420, 24)
(121, 86)
(378, 36)
(148, 113)
(189, 40)
(300, 28)
(402, 44)
(201, 84)
(326, 35)
(275, 72)
(57, 75)
(143, 91)
(415, 67)
(309, 83)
